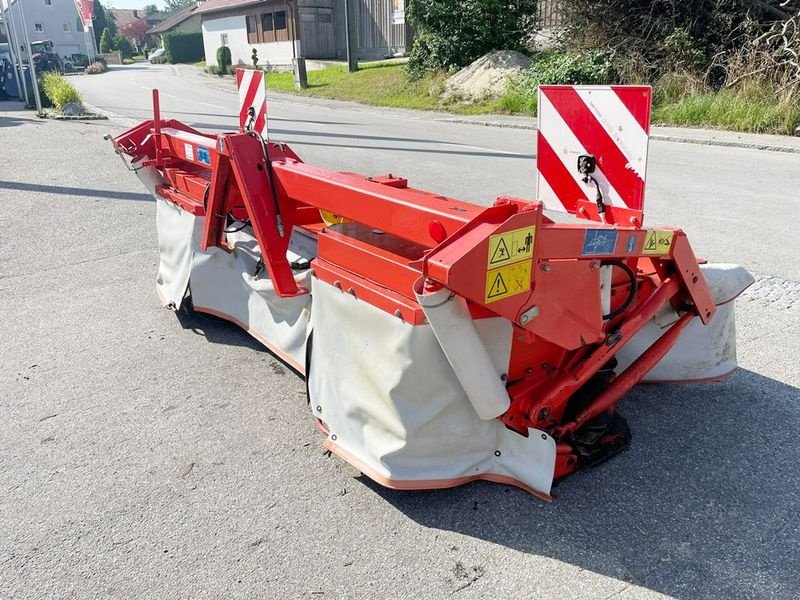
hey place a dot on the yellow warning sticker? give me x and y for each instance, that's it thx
(657, 241)
(510, 247)
(508, 281)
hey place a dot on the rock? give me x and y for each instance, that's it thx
(72, 109)
(488, 76)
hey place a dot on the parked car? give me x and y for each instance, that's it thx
(159, 52)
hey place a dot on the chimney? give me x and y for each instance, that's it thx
(135, 14)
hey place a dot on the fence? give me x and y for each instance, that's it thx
(550, 13)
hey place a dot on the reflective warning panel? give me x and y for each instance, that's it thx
(657, 241)
(511, 246)
(508, 281)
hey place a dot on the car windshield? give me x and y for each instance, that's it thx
(37, 47)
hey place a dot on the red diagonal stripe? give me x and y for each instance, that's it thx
(239, 75)
(558, 177)
(596, 141)
(637, 100)
(261, 119)
(248, 101)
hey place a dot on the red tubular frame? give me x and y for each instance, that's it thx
(416, 233)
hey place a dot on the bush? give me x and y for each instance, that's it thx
(59, 91)
(160, 60)
(184, 47)
(106, 43)
(568, 68)
(453, 33)
(128, 61)
(96, 68)
(124, 46)
(223, 59)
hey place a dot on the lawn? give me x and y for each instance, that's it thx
(379, 84)
(754, 108)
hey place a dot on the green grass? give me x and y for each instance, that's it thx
(380, 84)
(753, 108)
(758, 111)
(200, 65)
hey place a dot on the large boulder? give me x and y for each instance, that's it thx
(489, 76)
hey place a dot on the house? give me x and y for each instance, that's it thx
(125, 16)
(280, 30)
(55, 20)
(186, 20)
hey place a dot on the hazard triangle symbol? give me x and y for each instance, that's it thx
(651, 243)
(500, 253)
(498, 287)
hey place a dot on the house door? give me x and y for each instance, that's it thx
(316, 32)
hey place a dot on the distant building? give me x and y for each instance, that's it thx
(182, 21)
(282, 29)
(55, 20)
(126, 16)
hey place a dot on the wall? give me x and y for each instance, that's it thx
(276, 53)
(190, 25)
(53, 18)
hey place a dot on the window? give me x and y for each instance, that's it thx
(67, 28)
(252, 29)
(280, 20)
(38, 27)
(48, 2)
(266, 22)
(223, 39)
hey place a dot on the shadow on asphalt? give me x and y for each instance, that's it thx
(217, 330)
(487, 154)
(8, 106)
(74, 191)
(703, 505)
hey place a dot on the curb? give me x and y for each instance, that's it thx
(725, 143)
(653, 136)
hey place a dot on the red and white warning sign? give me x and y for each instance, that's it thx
(611, 123)
(252, 94)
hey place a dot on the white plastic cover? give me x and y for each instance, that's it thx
(703, 352)
(395, 409)
(224, 283)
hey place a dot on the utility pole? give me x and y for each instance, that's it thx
(14, 44)
(351, 35)
(31, 66)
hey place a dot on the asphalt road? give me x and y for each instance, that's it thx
(146, 456)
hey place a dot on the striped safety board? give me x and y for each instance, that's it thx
(611, 123)
(252, 93)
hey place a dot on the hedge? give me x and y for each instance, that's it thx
(184, 47)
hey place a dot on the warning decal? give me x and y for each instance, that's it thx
(510, 247)
(657, 241)
(508, 281)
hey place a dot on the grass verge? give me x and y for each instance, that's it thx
(754, 107)
(381, 84)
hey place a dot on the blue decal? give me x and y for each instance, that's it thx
(599, 241)
(203, 156)
(631, 243)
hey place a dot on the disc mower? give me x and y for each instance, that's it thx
(444, 341)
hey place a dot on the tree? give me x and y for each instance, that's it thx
(136, 32)
(106, 42)
(101, 20)
(173, 5)
(124, 46)
(150, 9)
